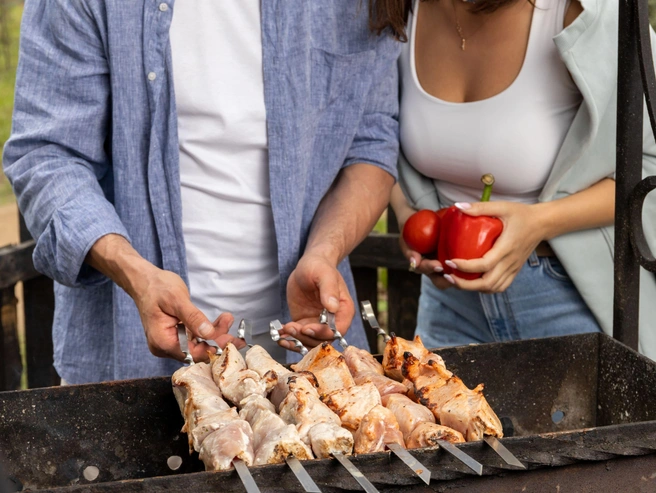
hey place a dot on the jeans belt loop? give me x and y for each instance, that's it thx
(533, 259)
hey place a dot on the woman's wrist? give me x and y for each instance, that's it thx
(545, 216)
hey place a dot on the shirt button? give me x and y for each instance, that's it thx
(163, 7)
(152, 76)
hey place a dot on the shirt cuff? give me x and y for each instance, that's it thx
(73, 229)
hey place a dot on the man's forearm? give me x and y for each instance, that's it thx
(349, 211)
(115, 257)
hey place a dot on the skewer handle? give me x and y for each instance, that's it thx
(369, 317)
(274, 331)
(328, 318)
(245, 326)
(184, 344)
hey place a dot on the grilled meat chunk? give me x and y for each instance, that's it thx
(329, 367)
(198, 397)
(361, 361)
(395, 349)
(352, 404)
(234, 440)
(427, 434)
(450, 401)
(317, 425)
(384, 384)
(378, 428)
(235, 380)
(408, 414)
(259, 360)
(273, 439)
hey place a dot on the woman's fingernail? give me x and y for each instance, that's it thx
(413, 265)
(463, 206)
(291, 332)
(334, 302)
(451, 264)
(205, 330)
(449, 278)
(308, 332)
(438, 268)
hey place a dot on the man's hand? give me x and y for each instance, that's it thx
(345, 216)
(316, 284)
(162, 299)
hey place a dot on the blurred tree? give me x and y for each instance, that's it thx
(5, 41)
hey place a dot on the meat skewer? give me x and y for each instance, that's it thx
(274, 331)
(365, 369)
(275, 441)
(425, 434)
(302, 407)
(213, 430)
(358, 405)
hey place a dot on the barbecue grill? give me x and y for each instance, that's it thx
(582, 402)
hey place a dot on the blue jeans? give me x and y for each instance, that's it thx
(542, 301)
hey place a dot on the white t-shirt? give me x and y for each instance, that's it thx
(224, 170)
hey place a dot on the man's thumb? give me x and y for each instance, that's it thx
(195, 321)
(329, 290)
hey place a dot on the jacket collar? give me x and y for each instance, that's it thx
(590, 38)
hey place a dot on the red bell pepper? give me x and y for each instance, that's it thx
(467, 237)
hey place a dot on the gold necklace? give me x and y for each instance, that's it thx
(463, 44)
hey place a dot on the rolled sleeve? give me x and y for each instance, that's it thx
(376, 141)
(71, 232)
(55, 158)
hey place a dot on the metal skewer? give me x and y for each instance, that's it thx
(503, 452)
(355, 472)
(328, 318)
(245, 326)
(470, 462)
(184, 344)
(274, 331)
(245, 476)
(294, 464)
(369, 317)
(417, 467)
(302, 475)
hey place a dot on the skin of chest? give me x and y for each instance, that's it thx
(496, 45)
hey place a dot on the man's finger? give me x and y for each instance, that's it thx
(194, 320)
(328, 284)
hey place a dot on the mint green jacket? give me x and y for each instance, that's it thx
(588, 47)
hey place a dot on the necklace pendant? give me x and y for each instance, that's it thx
(462, 46)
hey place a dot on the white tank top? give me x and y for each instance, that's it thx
(227, 220)
(515, 135)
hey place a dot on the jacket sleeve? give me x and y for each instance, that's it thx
(376, 139)
(55, 158)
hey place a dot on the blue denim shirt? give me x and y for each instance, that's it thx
(94, 149)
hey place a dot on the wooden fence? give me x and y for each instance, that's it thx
(376, 251)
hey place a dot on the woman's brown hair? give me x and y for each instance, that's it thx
(392, 15)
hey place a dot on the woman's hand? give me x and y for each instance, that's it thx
(421, 265)
(523, 230)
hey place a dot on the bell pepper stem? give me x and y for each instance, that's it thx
(488, 181)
